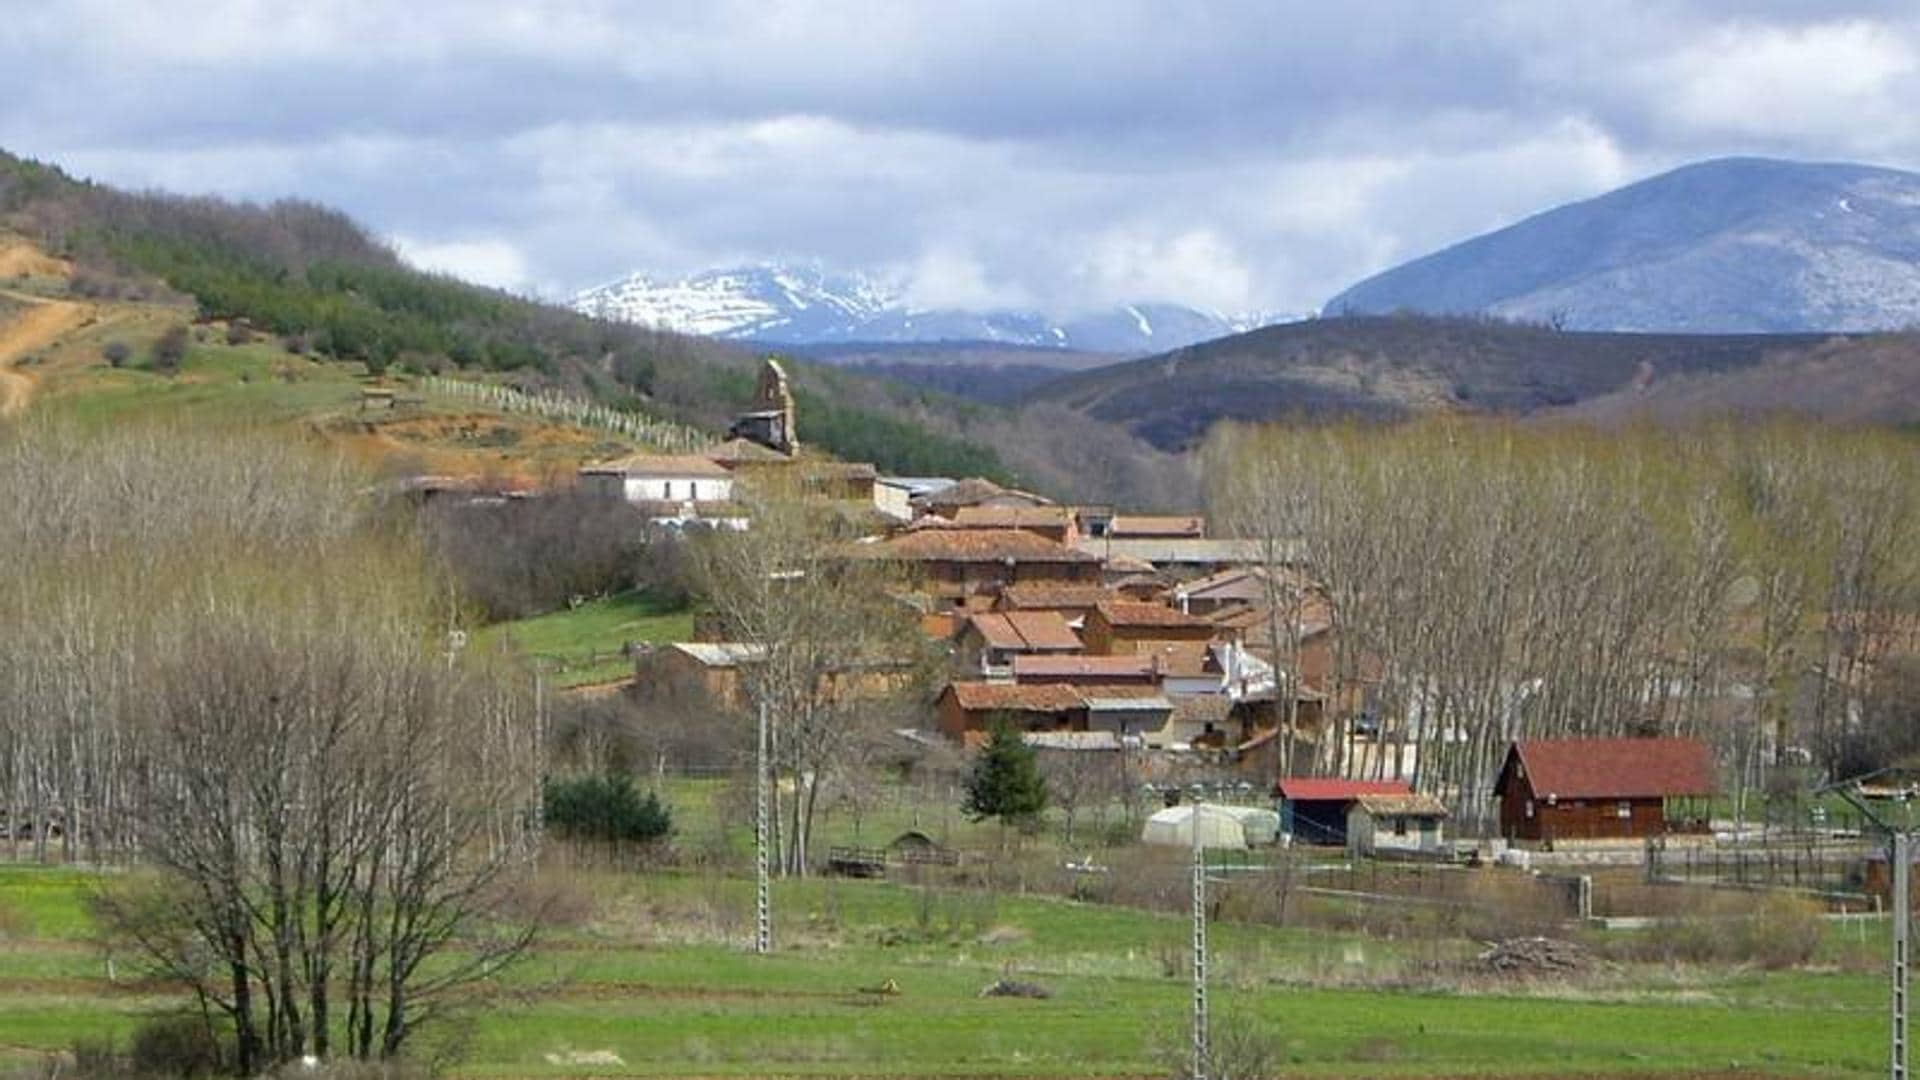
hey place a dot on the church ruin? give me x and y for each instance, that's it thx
(769, 419)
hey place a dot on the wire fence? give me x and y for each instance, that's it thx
(649, 431)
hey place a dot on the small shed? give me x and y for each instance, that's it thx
(1395, 823)
(1314, 810)
(1173, 827)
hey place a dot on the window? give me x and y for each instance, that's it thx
(666, 489)
(693, 490)
(1529, 809)
(1400, 826)
(1625, 810)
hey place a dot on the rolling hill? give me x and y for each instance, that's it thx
(326, 306)
(1385, 367)
(1736, 245)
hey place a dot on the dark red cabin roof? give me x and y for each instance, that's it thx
(1612, 768)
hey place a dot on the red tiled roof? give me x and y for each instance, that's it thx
(1061, 667)
(1182, 659)
(1141, 613)
(659, 465)
(1615, 768)
(976, 545)
(1124, 525)
(1029, 630)
(1012, 517)
(975, 490)
(1053, 597)
(1306, 789)
(1013, 697)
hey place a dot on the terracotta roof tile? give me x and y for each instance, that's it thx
(1141, 613)
(976, 545)
(1054, 597)
(1033, 631)
(1082, 667)
(1615, 768)
(1012, 697)
(1156, 525)
(675, 465)
(1403, 805)
(1013, 517)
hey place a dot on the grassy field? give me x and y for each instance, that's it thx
(655, 982)
(581, 645)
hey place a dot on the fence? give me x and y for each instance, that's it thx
(1815, 865)
(649, 431)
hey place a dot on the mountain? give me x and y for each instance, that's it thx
(788, 304)
(1386, 367)
(1737, 245)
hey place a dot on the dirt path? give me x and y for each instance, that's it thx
(40, 324)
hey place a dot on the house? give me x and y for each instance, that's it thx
(1156, 527)
(660, 478)
(1053, 522)
(966, 711)
(1119, 627)
(970, 567)
(1315, 811)
(1182, 558)
(694, 673)
(893, 499)
(1086, 670)
(1409, 824)
(992, 640)
(1583, 789)
(1236, 588)
(976, 492)
(1075, 602)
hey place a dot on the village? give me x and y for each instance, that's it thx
(1180, 666)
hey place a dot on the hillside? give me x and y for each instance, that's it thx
(1872, 379)
(1385, 367)
(793, 304)
(316, 293)
(1737, 245)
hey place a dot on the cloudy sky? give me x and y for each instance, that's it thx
(1242, 156)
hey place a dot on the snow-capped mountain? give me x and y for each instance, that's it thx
(781, 303)
(1736, 245)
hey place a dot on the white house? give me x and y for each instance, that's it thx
(660, 478)
(1399, 823)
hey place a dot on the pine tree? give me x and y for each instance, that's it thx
(1006, 781)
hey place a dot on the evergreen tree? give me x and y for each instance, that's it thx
(1006, 781)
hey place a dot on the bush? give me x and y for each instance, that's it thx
(170, 349)
(238, 332)
(179, 1046)
(117, 353)
(605, 807)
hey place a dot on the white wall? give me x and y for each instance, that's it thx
(679, 489)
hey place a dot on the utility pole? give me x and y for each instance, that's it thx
(1901, 853)
(1900, 868)
(1200, 1054)
(763, 887)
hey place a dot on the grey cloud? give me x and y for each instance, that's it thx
(1248, 153)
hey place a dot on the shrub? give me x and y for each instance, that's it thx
(238, 332)
(170, 349)
(605, 807)
(179, 1046)
(117, 353)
